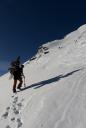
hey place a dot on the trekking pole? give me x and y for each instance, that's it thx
(24, 81)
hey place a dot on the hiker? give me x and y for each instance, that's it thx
(17, 75)
(16, 71)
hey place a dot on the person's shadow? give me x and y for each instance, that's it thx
(45, 82)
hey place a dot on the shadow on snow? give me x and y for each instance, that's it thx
(55, 79)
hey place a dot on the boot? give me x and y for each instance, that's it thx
(14, 90)
(19, 87)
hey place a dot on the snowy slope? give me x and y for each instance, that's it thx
(55, 92)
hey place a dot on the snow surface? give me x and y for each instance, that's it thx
(55, 92)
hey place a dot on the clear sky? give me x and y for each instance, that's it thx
(26, 24)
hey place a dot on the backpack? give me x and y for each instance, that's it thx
(14, 66)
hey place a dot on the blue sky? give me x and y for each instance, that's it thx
(26, 24)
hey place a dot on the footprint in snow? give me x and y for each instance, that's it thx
(13, 119)
(19, 123)
(5, 115)
(15, 110)
(8, 126)
(19, 106)
(15, 100)
(8, 108)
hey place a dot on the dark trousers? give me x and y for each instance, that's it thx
(15, 83)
